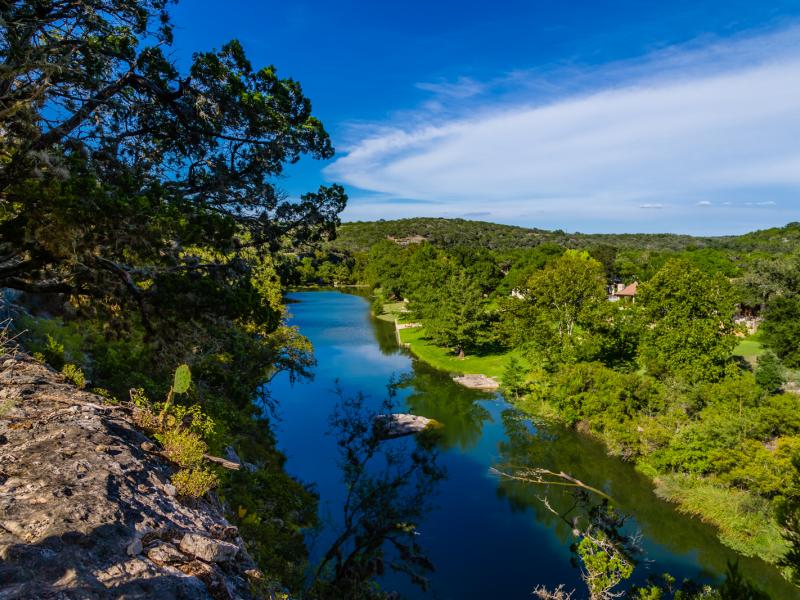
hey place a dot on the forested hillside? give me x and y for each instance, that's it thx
(361, 235)
(357, 236)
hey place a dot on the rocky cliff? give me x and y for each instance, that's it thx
(86, 512)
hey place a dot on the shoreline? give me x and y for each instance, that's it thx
(682, 492)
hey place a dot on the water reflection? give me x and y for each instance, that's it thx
(455, 406)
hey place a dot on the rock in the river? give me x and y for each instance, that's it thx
(75, 522)
(399, 424)
(477, 382)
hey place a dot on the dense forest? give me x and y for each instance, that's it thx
(360, 236)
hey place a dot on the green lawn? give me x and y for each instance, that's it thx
(392, 311)
(750, 347)
(491, 365)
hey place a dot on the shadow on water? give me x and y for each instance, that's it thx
(487, 535)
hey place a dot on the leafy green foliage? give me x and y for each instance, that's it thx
(789, 518)
(135, 185)
(514, 377)
(603, 565)
(781, 329)
(770, 373)
(560, 304)
(183, 447)
(459, 317)
(689, 318)
(182, 379)
(195, 482)
(74, 375)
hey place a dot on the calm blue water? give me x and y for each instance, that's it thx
(487, 538)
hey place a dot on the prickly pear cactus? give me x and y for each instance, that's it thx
(183, 378)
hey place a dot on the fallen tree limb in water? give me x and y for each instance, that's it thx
(540, 476)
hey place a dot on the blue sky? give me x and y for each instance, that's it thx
(585, 116)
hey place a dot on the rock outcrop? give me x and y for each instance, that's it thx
(86, 512)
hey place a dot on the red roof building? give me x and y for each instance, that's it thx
(629, 291)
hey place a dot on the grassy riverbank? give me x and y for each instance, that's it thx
(744, 521)
(491, 365)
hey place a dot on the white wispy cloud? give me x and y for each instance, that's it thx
(694, 127)
(462, 87)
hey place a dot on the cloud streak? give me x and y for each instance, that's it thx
(463, 87)
(670, 142)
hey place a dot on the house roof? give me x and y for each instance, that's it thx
(628, 290)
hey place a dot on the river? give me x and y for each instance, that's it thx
(487, 538)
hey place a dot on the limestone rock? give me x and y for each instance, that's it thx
(84, 513)
(399, 424)
(208, 549)
(165, 554)
(135, 547)
(477, 382)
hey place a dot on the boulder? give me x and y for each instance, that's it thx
(399, 424)
(163, 553)
(477, 382)
(207, 548)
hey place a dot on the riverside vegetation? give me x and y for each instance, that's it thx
(672, 380)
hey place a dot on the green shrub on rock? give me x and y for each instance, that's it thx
(194, 483)
(74, 375)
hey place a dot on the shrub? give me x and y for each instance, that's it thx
(770, 372)
(53, 352)
(194, 483)
(183, 447)
(74, 375)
